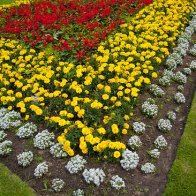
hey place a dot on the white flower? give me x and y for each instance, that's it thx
(149, 108)
(129, 160)
(78, 192)
(179, 98)
(180, 88)
(156, 90)
(94, 175)
(117, 182)
(24, 159)
(148, 168)
(3, 135)
(155, 153)
(10, 119)
(171, 115)
(187, 71)
(40, 170)
(57, 151)
(139, 127)
(134, 142)
(27, 130)
(160, 142)
(193, 65)
(171, 63)
(43, 140)
(164, 125)
(57, 184)
(76, 164)
(180, 78)
(5, 147)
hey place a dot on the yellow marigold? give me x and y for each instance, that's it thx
(116, 154)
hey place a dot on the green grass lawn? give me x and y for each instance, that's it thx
(182, 177)
(11, 185)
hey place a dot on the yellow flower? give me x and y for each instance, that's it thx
(105, 96)
(115, 129)
(116, 154)
(154, 75)
(124, 131)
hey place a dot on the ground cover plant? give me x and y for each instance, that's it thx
(102, 110)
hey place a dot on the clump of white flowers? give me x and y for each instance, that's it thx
(156, 90)
(24, 159)
(192, 51)
(180, 88)
(3, 112)
(3, 135)
(171, 63)
(160, 142)
(149, 108)
(187, 71)
(165, 80)
(193, 65)
(57, 184)
(43, 140)
(134, 142)
(148, 168)
(78, 192)
(164, 125)
(179, 98)
(57, 151)
(171, 115)
(129, 160)
(155, 153)
(168, 73)
(76, 164)
(117, 182)
(5, 147)
(139, 127)
(180, 78)
(10, 119)
(94, 175)
(27, 130)
(40, 170)
(176, 57)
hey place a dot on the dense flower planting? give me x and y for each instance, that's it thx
(73, 27)
(91, 102)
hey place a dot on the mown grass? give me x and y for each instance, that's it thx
(11, 185)
(182, 177)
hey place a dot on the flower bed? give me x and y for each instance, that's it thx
(92, 102)
(73, 27)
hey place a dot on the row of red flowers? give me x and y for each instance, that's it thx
(74, 27)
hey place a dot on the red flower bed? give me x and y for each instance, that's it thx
(73, 27)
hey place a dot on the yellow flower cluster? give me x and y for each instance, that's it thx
(92, 103)
(3, 7)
